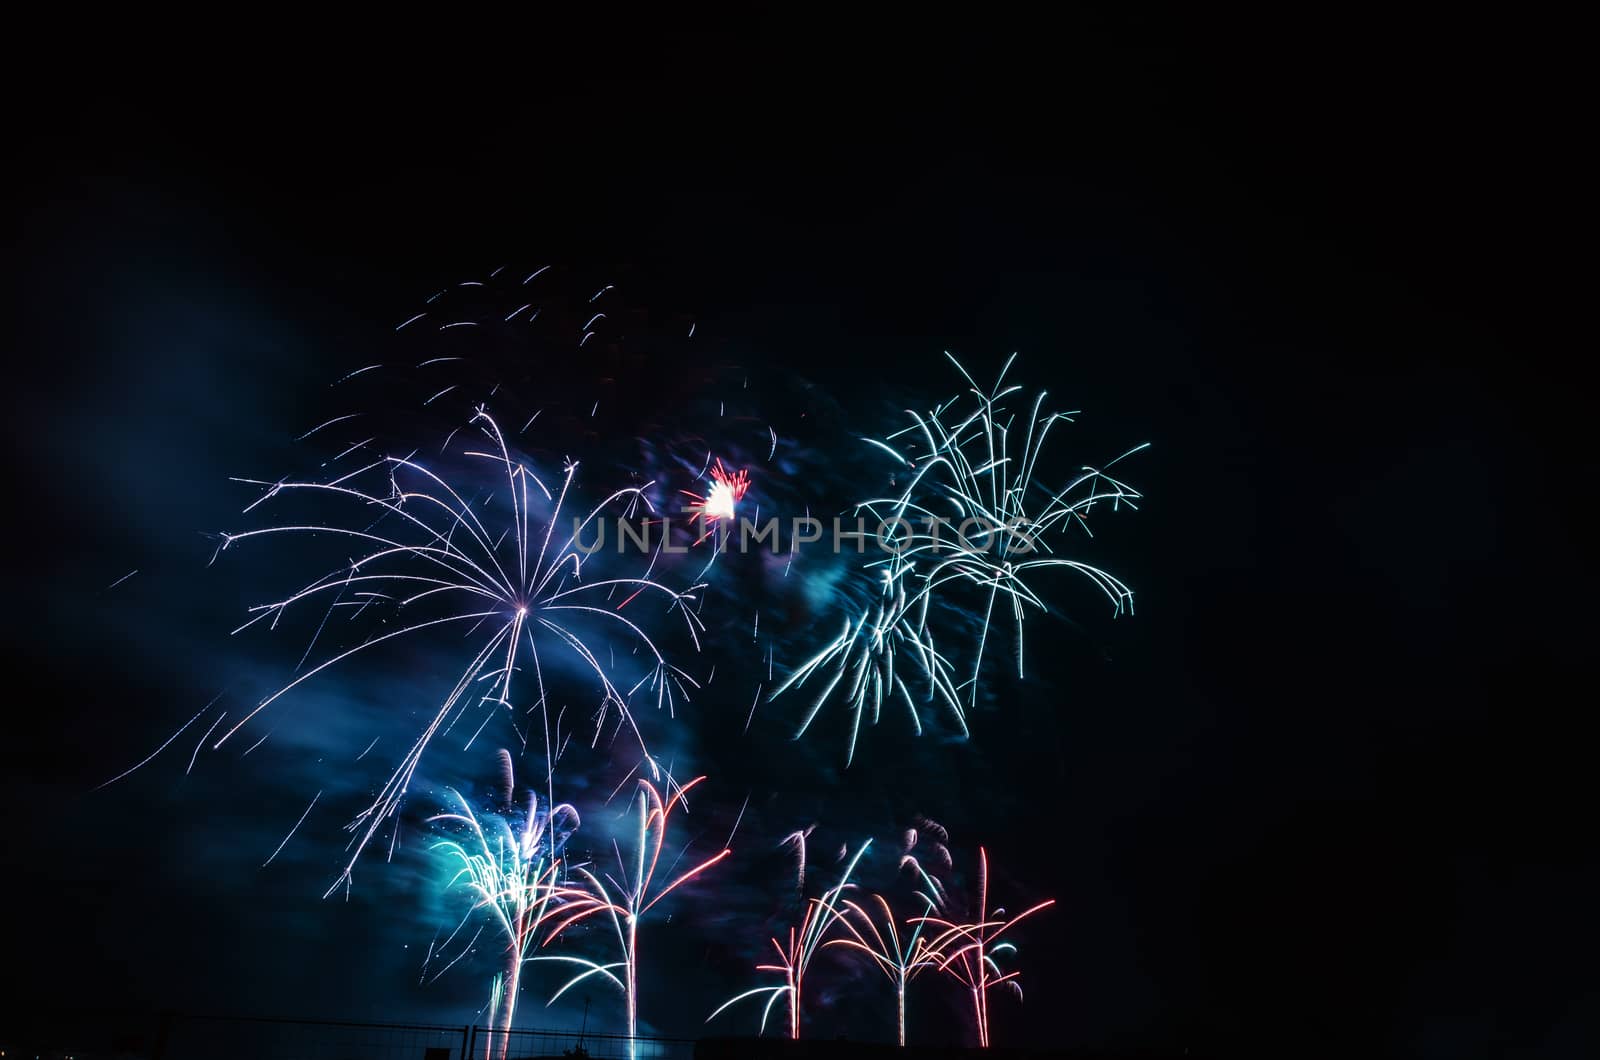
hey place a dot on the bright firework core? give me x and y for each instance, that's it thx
(727, 490)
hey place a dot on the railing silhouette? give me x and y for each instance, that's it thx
(134, 1036)
(184, 1037)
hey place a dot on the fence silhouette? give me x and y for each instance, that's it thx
(240, 1038)
(138, 1036)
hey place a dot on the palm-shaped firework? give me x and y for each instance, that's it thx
(794, 959)
(509, 574)
(896, 948)
(624, 901)
(510, 867)
(968, 952)
(967, 533)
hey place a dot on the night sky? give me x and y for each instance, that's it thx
(1297, 259)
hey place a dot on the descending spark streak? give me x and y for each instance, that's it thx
(164, 745)
(525, 587)
(329, 423)
(258, 743)
(464, 951)
(756, 699)
(293, 830)
(967, 533)
(793, 960)
(196, 752)
(624, 903)
(967, 951)
(370, 367)
(735, 829)
(427, 959)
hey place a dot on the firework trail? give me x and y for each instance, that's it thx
(510, 867)
(430, 560)
(624, 899)
(795, 958)
(968, 951)
(968, 532)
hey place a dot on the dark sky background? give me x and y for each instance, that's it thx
(1302, 260)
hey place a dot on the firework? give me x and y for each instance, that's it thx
(624, 901)
(968, 952)
(721, 501)
(510, 868)
(432, 561)
(795, 958)
(875, 931)
(969, 531)
(470, 543)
